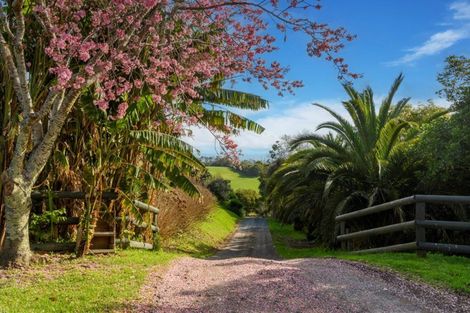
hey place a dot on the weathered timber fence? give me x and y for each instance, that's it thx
(100, 234)
(137, 244)
(419, 225)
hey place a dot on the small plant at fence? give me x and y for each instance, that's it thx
(43, 226)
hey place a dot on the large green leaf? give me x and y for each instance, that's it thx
(234, 98)
(220, 118)
(161, 140)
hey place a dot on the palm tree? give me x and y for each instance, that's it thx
(361, 161)
(363, 149)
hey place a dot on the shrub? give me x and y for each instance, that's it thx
(250, 168)
(236, 206)
(221, 189)
(178, 210)
(249, 198)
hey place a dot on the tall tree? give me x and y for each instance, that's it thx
(455, 79)
(360, 161)
(120, 48)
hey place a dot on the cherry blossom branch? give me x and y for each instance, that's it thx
(41, 153)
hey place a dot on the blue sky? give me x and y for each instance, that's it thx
(409, 36)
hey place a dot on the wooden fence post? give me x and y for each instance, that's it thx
(155, 234)
(420, 215)
(348, 242)
(342, 227)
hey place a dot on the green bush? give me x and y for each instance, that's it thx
(250, 199)
(221, 189)
(236, 206)
(444, 146)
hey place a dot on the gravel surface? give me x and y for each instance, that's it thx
(252, 239)
(233, 282)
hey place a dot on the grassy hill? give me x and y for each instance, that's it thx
(236, 180)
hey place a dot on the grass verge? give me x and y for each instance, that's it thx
(104, 283)
(236, 180)
(202, 239)
(451, 272)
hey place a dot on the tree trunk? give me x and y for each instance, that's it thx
(16, 250)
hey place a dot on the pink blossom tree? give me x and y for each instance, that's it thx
(169, 48)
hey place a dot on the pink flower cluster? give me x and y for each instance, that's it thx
(168, 50)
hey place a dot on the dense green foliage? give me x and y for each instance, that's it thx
(250, 200)
(444, 146)
(455, 79)
(357, 164)
(224, 193)
(239, 194)
(445, 271)
(220, 188)
(374, 155)
(236, 206)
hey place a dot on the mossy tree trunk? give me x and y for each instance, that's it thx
(17, 197)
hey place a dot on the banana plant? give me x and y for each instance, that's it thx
(138, 154)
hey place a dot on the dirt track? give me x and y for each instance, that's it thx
(238, 279)
(252, 239)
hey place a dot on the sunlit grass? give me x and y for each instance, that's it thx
(104, 283)
(206, 235)
(236, 180)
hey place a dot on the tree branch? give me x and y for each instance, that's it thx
(5, 51)
(240, 3)
(45, 108)
(45, 23)
(5, 25)
(27, 103)
(40, 155)
(22, 141)
(21, 147)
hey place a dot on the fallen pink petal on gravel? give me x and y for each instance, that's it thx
(232, 282)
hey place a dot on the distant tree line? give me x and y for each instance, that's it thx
(247, 168)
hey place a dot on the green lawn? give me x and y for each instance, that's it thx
(236, 181)
(104, 283)
(446, 271)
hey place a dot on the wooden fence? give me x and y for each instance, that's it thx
(419, 225)
(137, 244)
(99, 234)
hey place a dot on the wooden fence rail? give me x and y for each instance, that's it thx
(79, 195)
(419, 224)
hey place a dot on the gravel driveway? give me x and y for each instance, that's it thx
(235, 281)
(252, 239)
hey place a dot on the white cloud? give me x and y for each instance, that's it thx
(441, 40)
(461, 10)
(438, 42)
(303, 118)
(291, 121)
